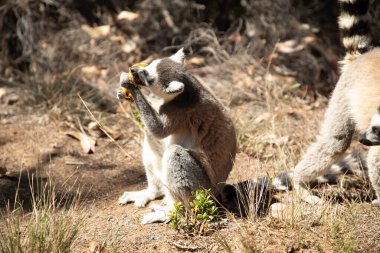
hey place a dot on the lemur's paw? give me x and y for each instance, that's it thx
(140, 198)
(160, 214)
(120, 93)
(308, 197)
(124, 77)
(167, 201)
(376, 202)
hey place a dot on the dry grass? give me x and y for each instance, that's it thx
(297, 228)
(52, 225)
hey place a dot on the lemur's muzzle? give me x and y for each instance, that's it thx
(371, 140)
(140, 74)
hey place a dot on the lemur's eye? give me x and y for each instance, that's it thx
(376, 130)
(150, 79)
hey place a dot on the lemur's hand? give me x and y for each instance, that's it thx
(126, 86)
(126, 82)
(121, 93)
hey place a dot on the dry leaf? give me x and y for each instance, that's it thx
(87, 143)
(97, 31)
(115, 134)
(117, 38)
(196, 61)
(95, 130)
(93, 126)
(127, 15)
(292, 46)
(3, 92)
(4, 121)
(91, 70)
(129, 46)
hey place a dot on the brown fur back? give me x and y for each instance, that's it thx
(363, 77)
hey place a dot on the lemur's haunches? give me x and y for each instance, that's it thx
(190, 140)
(352, 107)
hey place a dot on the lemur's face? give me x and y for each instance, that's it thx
(162, 76)
(372, 136)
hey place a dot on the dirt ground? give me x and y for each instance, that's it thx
(38, 147)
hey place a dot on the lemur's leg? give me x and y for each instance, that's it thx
(333, 140)
(183, 175)
(373, 161)
(152, 164)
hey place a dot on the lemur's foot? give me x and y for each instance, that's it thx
(376, 202)
(140, 198)
(121, 94)
(313, 200)
(168, 200)
(159, 214)
(308, 197)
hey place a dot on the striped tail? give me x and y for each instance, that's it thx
(354, 25)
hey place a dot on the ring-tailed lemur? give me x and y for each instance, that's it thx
(190, 142)
(353, 104)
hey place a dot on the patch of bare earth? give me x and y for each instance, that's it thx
(273, 129)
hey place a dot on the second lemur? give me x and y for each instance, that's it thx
(353, 106)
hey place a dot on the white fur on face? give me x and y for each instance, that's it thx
(152, 68)
(375, 120)
(174, 88)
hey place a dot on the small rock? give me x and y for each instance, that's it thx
(279, 210)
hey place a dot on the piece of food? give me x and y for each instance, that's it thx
(127, 94)
(132, 77)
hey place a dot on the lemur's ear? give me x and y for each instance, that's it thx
(175, 87)
(178, 57)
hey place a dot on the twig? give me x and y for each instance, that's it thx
(184, 247)
(104, 129)
(77, 163)
(5, 82)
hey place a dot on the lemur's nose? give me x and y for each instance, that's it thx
(134, 70)
(363, 140)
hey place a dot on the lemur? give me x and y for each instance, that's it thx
(352, 107)
(190, 140)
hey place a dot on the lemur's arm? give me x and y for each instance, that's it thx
(159, 125)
